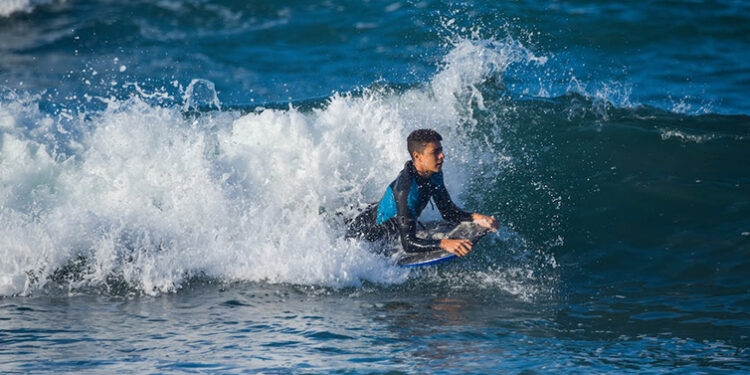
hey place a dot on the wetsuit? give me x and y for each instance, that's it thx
(401, 205)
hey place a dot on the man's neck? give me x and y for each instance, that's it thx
(421, 172)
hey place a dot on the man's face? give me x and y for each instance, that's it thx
(431, 158)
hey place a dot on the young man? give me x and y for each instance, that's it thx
(406, 197)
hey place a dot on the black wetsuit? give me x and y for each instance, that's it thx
(401, 205)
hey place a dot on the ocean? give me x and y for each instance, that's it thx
(174, 177)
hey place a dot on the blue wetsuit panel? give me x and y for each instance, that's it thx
(387, 207)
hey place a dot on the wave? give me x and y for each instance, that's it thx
(146, 197)
(147, 193)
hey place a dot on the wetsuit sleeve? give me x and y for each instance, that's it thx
(448, 210)
(407, 224)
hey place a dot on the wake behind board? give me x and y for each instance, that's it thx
(439, 230)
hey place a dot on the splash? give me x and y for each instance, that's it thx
(147, 197)
(601, 98)
(201, 93)
(509, 265)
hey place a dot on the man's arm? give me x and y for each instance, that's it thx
(407, 229)
(448, 210)
(451, 212)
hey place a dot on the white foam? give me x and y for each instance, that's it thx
(672, 133)
(8, 7)
(690, 106)
(697, 138)
(152, 197)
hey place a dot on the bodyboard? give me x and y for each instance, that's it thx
(439, 230)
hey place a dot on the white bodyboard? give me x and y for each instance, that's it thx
(439, 230)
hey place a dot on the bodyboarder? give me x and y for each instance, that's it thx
(406, 197)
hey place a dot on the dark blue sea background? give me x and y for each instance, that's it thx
(174, 176)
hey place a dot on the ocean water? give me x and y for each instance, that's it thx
(174, 174)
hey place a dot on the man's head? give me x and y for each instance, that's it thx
(425, 150)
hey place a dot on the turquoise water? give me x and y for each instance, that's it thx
(170, 174)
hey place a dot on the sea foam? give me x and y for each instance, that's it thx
(147, 196)
(8, 7)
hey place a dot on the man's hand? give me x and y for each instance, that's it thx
(459, 247)
(485, 221)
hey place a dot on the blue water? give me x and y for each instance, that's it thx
(174, 173)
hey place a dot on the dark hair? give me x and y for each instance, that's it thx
(418, 140)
